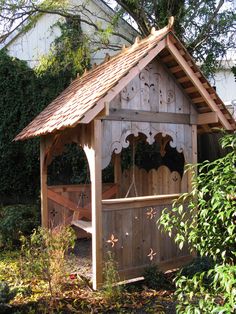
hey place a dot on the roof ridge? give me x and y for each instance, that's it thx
(154, 34)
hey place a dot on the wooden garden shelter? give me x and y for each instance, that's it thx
(154, 90)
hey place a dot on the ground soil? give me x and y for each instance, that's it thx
(80, 261)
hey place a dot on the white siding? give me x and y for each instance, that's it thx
(30, 46)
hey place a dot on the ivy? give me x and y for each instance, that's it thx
(24, 93)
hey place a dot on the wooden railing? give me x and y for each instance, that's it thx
(68, 203)
(130, 231)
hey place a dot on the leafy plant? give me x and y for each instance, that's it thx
(205, 218)
(198, 265)
(156, 279)
(43, 256)
(111, 291)
(17, 220)
(24, 93)
(6, 294)
(212, 291)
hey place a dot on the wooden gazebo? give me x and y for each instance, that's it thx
(152, 91)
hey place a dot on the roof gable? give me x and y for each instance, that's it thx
(85, 97)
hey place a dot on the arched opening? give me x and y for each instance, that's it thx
(69, 199)
(149, 169)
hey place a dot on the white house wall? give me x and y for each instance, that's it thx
(226, 88)
(35, 43)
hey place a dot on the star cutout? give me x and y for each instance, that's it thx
(151, 213)
(112, 240)
(151, 254)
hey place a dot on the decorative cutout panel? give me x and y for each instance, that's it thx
(153, 90)
(115, 134)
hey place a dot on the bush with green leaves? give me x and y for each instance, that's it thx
(15, 221)
(6, 294)
(156, 279)
(111, 290)
(44, 256)
(205, 218)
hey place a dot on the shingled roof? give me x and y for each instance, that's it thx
(85, 97)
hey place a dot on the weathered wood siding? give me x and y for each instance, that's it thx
(153, 90)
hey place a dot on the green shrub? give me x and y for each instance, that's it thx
(6, 294)
(44, 256)
(17, 220)
(213, 291)
(207, 224)
(156, 279)
(111, 291)
(198, 265)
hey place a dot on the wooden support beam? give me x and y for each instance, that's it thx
(43, 182)
(65, 202)
(92, 148)
(190, 90)
(183, 79)
(117, 172)
(167, 58)
(213, 96)
(110, 192)
(197, 100)
(175, 69)
(147, 116)
(196, 82)
(207, 118)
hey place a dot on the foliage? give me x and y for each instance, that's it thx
(207, 28)
(156, 279)
(17, 220)
(23, 94)
(44, 256)
(5, 293)
(208, 292)
(212, 231)
(75, 297)
(69, 54)
(111, 290)
(69, 168)
(18, 104)
(205, 219)
(198, 265)
(234, 72)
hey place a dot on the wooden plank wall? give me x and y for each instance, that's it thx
(154, 182)
(138, 243)
(153, 90)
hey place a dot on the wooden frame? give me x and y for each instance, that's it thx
(151, 110)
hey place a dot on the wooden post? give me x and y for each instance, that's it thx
(194, 155)
(43, 180)
(117, 172)
(93, 152)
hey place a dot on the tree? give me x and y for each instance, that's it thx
(207, 27)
